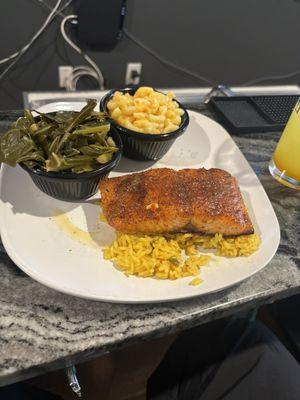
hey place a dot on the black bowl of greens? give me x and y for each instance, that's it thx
(66, 153)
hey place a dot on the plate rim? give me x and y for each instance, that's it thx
(19, 263)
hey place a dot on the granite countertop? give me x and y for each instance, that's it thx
(43, 330)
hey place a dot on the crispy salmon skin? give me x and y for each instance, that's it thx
(163, 200)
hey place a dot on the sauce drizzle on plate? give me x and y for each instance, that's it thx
(66, 225)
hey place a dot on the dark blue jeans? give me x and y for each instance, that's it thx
(22, 391)
(235, 360)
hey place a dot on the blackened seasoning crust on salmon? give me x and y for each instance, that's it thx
(163, 200)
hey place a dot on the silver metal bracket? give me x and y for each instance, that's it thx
(73, 380)
(217, 91)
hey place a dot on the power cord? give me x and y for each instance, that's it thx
(94, 71)
(197, 76)
(166, 62)
(16, 56)
(59, 12)
(269, 78)
(80, 71)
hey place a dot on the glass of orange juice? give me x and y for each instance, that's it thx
(285, 163)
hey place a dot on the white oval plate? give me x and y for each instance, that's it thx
(46, 253)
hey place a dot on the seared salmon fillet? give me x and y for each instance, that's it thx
(163, 200)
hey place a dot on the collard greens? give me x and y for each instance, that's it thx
(64, 141)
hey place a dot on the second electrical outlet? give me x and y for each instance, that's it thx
(133, 73)
(64, 73)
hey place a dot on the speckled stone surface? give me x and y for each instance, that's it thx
(42, 330)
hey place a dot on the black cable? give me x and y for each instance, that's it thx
(166, 62)
(197, 76)
(270, 78)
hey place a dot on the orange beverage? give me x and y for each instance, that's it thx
(285, 164)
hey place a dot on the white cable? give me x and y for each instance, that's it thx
(83, 68)
(94, 66)
(56, 12)
(77, 73)
(38, 33)
(59, 12)
(52, 14)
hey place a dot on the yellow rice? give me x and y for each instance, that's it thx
(173, 256)
(195, 281)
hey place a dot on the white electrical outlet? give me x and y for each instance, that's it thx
(64, 72)
(133, 73)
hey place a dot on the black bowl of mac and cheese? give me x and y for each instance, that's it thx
(147, 120)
